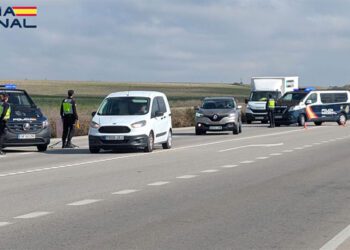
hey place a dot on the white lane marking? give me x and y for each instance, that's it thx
(332, 140)
(158, 183)
(288, 151)
(209, 171)
(246, 162)
(308, 146)
(262, 157)
(298, 148)
(126, 191)
(4, 223)
(325, 141)
(229, 166)
(83, 202)
(337, 240)
(186, 176)
(316, 143)
(275, 154)
(157, 152)
(33, 215)
(253, 145)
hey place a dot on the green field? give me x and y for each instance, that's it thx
(49, 94)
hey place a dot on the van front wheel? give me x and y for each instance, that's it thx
(301, 120)
(169, 142)
(150, 143)
(341, 119)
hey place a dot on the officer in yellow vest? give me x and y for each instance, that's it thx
(69, 118)
(5, 113)
(270, 107)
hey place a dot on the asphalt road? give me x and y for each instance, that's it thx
(282, 188)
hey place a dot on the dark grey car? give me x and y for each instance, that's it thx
(218, 114)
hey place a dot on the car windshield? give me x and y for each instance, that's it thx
(218, 104)
(19, 98)
(125, 106)
(293, 96)
(261, 96)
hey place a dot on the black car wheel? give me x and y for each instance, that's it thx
(42, 148)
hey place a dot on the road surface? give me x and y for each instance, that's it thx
(282, 188)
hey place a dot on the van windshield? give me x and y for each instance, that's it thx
(262, 96)
(218, 104)
(125, 106)
(19, 98)
(293, 96)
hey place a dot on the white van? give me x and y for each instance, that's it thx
(133, 119)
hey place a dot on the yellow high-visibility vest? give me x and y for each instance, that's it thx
(271, 103)
(8, 113)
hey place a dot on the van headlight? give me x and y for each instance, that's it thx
(139, 124)
(199, 114)
(45, 124)
(295, 108)
(232, 115)
(94, 124)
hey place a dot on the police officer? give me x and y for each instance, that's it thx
(69, 117)
(270, 107)
(5, 113)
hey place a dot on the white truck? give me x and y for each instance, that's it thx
(261, 88)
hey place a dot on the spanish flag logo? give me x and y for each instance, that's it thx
(25, 10)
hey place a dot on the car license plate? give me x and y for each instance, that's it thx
(215, 127)
(114, 137)
(259, 118)
(26, 136)
(278, 117)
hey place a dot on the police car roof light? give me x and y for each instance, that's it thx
(8, 86)
(310, 89)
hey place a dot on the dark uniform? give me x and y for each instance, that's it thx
(69, 117)
(5, 113)
(270, 107)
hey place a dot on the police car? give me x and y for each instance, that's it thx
(309, 104)
(27, 125)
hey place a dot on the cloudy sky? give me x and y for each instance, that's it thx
(180, 41)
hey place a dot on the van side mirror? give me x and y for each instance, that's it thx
(246, 101)
(158, 114)
(93, 113)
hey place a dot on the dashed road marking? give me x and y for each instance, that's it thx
(307, 146)
(317, 143)
(288, 151)
(33, 215)
(246, 162)
(83, 202)
(252, 145)
(262, 157)
(337, 240)
(275, 154)
(209, 171)
(298, 148)
(325, 141)
(158, 183)
(126, 191)
(186, 176)
(4, 223)
(229, 166)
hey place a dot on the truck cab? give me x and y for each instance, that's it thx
(261, 88)
(27, 125)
